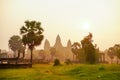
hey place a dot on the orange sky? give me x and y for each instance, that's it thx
(64, 17)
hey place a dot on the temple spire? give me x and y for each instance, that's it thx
(58, 43)
(69, 44)
(46, 45)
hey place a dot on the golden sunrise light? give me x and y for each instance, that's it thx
(74, 19)
(86, 26)
(59, 39)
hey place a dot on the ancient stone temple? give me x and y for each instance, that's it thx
(62, 52)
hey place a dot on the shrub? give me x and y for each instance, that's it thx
(68, 61)
(101, 68)
(56, 62)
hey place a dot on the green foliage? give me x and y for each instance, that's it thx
(97, 55)
(75, 48)
(114, 51)
(65, 72)
(16, 44)
(86, 51)
(89, 49)
(32, 35)
(81, 56)
(101, 68)
(117, 50)
(56, 62)
(111, 52)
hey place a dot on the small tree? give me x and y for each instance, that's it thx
(16, 45)
(111, 53)
(117, 51)
(56, 62)
(75, 49)
(81, 55)
(32, 35)
(68, 61)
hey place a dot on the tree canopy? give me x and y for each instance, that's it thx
(16, 44)
(75, 49)
(89, 48)
(32, 34)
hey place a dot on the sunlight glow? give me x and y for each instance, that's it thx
(71, 19)
(85, 26)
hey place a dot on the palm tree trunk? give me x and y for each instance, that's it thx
(73, 57)
(117, 60)
(18, 54)
(14, 54)
(31, 56)
(23, 53)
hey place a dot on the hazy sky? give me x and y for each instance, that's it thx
(71, 19)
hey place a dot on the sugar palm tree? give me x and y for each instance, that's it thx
(32, 35)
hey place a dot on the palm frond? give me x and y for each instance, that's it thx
(23, 30)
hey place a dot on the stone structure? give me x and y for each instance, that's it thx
(62, 52)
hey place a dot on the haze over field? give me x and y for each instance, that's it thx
(71, 19)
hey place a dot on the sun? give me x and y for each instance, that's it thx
(85, 26)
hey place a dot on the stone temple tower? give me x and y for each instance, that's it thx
(69, 44)
(47, 45)
(62, 52)
(58, 44)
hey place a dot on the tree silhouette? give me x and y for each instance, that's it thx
(111, 53)
(16, 45)
(32, 35)
(75, 49)
(89, 49)
(117, 51)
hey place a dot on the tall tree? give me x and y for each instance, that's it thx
(75, 49)
(32, 35)
(15, 44)
(117, 51)
(89, 49)
(111, 53)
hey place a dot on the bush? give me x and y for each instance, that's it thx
(101, 68)
(56, 62)
(68, 61)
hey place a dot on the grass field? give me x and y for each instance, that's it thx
(63, 72)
